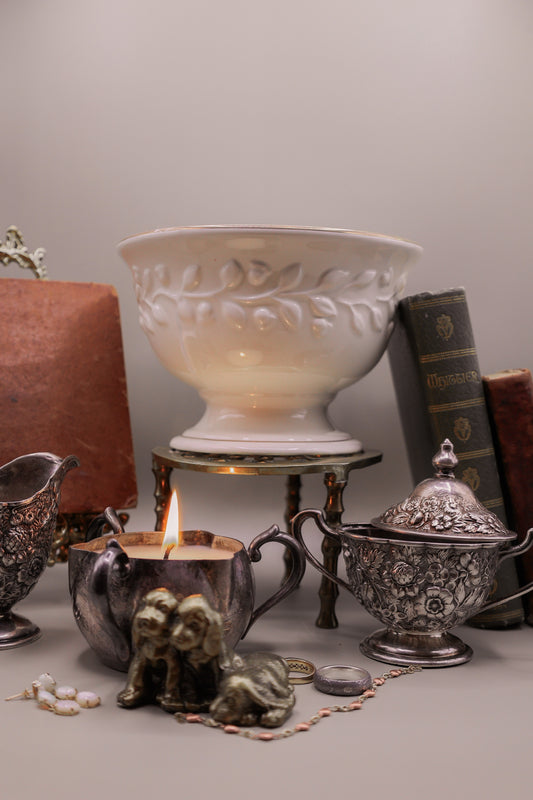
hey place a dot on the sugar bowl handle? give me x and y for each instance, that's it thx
(291, 580)
(512, 552)
(319, 519)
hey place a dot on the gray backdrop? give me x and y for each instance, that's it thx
(413, 119)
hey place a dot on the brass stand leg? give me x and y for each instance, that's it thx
(294, 483)
(329, 591)
(335, 469)
(161, 492)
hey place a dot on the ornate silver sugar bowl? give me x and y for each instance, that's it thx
(29, 499)
(423, 567)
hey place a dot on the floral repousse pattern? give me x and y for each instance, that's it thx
(443, 515)
(27, 531)
(257, 294)
(421, 589)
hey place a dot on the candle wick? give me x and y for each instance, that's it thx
(167, 550)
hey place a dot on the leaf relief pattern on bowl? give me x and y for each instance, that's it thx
(255, 294)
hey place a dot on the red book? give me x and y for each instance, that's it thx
(63, 387)
(509, 397)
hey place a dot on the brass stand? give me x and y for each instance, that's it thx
(336, 470)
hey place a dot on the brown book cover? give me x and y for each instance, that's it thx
(437, 379)
(510, 402)
(63, 387)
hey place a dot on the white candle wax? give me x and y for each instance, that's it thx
(188, 552)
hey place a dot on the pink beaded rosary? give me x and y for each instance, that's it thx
(301, 727)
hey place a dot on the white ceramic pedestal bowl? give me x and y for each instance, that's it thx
(268, 324)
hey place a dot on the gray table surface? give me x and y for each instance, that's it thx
(462, 731)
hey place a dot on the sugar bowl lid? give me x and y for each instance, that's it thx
(443, 509)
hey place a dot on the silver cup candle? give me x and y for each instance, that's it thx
(110, 574)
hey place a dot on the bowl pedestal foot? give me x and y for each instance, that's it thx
(265, 426)
(276, 447)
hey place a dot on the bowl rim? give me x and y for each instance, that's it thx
(248, 229)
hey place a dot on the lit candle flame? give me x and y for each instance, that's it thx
(172, 535)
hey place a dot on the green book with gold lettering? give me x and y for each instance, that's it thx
(437, 380)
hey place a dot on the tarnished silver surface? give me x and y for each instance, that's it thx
(443, 508)
(417, 586)
(432, 650)
(342, 680)
(29, 498)
(418, 590)
(107, 586)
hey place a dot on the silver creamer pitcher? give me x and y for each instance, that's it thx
(29, 499)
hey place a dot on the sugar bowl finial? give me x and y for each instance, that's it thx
(445, 461)
(444, 509)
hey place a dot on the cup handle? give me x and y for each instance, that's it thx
(96, 526)
(291, 580)
(512, 552)
(320, 521)
(114, 565)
